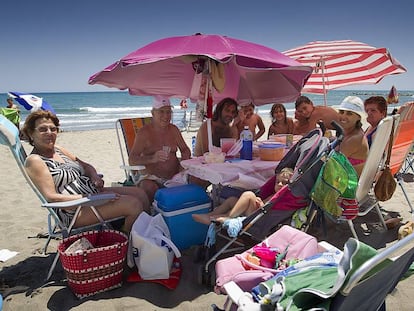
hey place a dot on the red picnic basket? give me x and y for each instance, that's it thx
(98, 269)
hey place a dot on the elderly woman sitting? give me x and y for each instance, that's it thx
(61, 176)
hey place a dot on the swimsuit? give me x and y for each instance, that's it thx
(68, 179)
(369, 137)
(354, 161)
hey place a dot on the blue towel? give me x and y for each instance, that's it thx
(211, 235)
(233, 225)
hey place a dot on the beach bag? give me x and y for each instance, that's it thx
(385, 186)
(151, 249)
(332, 182)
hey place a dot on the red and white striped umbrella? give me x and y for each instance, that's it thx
(343, 62)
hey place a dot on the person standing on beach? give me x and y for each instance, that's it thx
(281, 123)
(376, 109)
(248, 117)
(61, 176)
(307, 116)
(155, 146)
(12, 112)
(221, 127)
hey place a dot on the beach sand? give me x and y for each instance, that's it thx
(22, 219)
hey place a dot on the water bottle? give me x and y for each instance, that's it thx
(193, 144)
(246, 136)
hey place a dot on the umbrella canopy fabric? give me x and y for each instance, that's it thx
(31, 102)
(174, 67)
(343, 62)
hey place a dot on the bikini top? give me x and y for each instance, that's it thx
(354, 161)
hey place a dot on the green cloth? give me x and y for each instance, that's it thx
(12, 115)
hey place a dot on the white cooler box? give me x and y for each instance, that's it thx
(176, 204)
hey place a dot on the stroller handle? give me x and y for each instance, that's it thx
(339, 134)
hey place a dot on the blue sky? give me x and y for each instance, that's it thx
(55, 46)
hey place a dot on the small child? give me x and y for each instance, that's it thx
(245, 205)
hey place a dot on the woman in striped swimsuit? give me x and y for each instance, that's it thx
(61, 176)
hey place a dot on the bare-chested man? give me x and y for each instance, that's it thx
(225, 112)
(156, 146)
(307, 116)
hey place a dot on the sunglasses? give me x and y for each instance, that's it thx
(45, 129)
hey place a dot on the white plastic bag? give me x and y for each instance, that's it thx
(150, 247)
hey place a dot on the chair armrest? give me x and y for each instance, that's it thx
(133, 167)
(92, 200)
(243, 300)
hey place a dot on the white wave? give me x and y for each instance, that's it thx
(114, 109)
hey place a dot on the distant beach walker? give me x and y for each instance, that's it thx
(80, 111)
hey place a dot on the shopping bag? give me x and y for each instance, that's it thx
(151, 249)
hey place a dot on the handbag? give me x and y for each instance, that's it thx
(151, 249)
(385, 186)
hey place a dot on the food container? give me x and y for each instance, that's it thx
(226, 144)
(284, 138)
(271, 152)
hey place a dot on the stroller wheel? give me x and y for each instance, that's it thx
(200, 254)
(208, 277)
(203, 253)
(200, 274)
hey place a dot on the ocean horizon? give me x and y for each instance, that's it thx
(80, 111)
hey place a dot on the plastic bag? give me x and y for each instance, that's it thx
(150, 247)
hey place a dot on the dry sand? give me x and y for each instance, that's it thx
(22, 219)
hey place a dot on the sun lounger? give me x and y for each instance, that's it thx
(402, 147)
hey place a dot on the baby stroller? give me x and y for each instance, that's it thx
(305, 160)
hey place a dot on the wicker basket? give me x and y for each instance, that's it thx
(95, 270)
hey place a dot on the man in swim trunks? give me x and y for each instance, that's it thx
(155, 146)
(376, 109)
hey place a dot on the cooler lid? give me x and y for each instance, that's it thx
(174, 198)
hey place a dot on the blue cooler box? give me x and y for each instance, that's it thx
(176, 204)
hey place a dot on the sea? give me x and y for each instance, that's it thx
(80, 111)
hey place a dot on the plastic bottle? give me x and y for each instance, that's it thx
(246, 136)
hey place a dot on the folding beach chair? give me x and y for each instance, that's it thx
(194, 122)
(366, 278)
(9, 136)
(364, 195)
(402, 147)
(128, 128)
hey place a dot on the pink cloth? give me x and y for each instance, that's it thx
(285, 200)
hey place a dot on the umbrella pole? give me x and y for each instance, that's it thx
(323, 81)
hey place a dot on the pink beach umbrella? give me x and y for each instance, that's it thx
(344, 62)
(207, 68)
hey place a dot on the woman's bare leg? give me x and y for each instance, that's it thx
(125, 205)
(133, 191)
